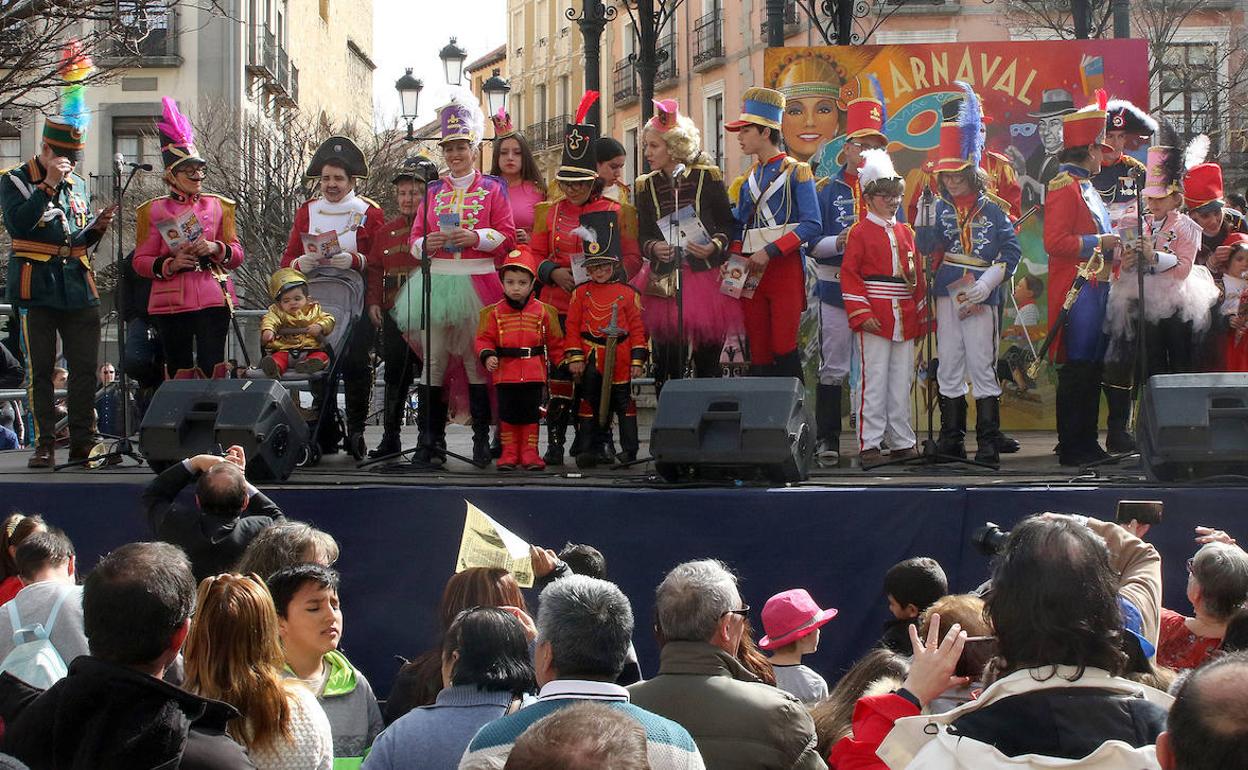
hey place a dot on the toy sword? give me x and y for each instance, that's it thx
(1085, 272)
(611, 331)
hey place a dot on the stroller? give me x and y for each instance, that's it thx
(341, 294)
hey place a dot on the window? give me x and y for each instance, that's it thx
(324, 4)
(1189, 89)
(10, 143)
(136, 139)
(539, 102)
(630, 40)
(713, 121)
(541, 22)
(631, 148)
(562, 97)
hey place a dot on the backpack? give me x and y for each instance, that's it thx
(36, 662)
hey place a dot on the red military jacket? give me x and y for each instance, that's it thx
(513, 334)
(554, 245)
(390, 261)
(882, 278)
(589, 312)
(1071, 232)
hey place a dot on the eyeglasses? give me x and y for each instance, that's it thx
(887, 197)
(864, 145)
(743, 612)
(1190, 564)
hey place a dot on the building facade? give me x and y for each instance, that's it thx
(479, 71)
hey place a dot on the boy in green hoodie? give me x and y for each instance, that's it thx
(310, 624)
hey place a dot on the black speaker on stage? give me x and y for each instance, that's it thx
(736, 427)
(190, 417)
(1194, 426)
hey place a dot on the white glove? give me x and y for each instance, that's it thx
(306, 263)
(1165, 261)
(341, 260)
(978, 292)
(991, 279)
(925, 212)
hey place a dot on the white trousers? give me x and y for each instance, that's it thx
(835, 343)
(447, 341)
(884, 408)
(968, 351)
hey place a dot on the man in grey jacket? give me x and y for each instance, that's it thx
(736, 720)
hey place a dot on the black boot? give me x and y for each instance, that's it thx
(1118, 438)
(496, 443)
(358, 394)
(479, 408)
(630, 443)
(790, 365)
(952, 439)
(392, 422)
(585, 449)
(432, 424)
(1007, 445)
(556, 430)
(988, 430)
(828, 424)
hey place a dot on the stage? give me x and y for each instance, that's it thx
(399, 530)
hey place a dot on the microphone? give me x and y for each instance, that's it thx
(119, 160)
(679, 171)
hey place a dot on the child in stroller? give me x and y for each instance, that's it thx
(294, 328)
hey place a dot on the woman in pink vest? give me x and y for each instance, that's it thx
(186, 243)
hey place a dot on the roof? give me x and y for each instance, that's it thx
(493, 57)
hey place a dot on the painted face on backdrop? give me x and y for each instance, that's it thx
(808, 124)
(1051, 134)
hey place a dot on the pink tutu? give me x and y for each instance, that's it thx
(710, 315)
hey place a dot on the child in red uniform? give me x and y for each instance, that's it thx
(882, 283)
(515, 338)
(589, 314)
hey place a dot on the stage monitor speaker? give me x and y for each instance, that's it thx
(1194, 426)
(190, 417)
(736, 427)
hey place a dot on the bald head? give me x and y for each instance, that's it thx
(1208, 724)
(222, 490)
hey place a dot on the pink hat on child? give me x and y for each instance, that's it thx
(790, 615)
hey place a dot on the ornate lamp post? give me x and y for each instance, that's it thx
(592, 20)
(409, 100)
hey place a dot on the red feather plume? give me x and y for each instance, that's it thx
(1102, 99)
(587, 101)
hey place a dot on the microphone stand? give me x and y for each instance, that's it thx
(123, 446)
(678, 255)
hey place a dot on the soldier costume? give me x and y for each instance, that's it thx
(356, 220)
(590, 314)
(1116, 184)
(556, 247)
(390, 261)
(882, 280)
(523, 336)
(840, 205)
(1075, 221)
(972, 240)
(463, 281)
(1203, 198)
(777, 212)
(190, 307)
(50, 278)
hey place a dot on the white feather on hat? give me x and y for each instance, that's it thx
(876, 164)
(475, 117)
(1146, 120)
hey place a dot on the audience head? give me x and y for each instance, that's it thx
(233, 655)
(487, 647)
(1206, 729)
(46, 555)
(137, 603)
(582, 736)
(584, 628)
(1054, 599)
(1236, 637)
(879, 671)
(222, 490)
(16, 528)
(792, 621)
(912, 585)
(698, 601)
(479, 587)
(1218, 580)
(967, 610)
(611, 157)
(584, 560)
(309, 616)
(286, 544)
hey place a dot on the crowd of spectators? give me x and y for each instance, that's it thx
(219, 647)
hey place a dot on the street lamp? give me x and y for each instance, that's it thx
(453, 57)
(409, 98)
(496, 89)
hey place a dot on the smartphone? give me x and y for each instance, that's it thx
(975, 656)
(1143, 511)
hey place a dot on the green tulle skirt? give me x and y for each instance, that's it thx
(455, 300)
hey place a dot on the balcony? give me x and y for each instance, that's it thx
(153, 43)
(262, 53)
(708, 41)
(285, 83)
(555, 128)
(536, 135)
(791, 22)
(624, 82)
(667, 70)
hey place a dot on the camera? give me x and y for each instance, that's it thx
(989, 539)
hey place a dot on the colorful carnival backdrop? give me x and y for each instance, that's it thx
(1026, 87)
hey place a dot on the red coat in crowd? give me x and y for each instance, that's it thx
(506, 328)
(589, 313)
(880, 282)
(355, 219)
(555, 246)
(390, 261)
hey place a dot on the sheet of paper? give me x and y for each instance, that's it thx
(486, 543)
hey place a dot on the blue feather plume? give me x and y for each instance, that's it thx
(878, 92)
(970, 124)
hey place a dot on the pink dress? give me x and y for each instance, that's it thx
(524, 198)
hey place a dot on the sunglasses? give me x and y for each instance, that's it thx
(743, 612)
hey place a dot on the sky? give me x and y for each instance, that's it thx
(409, 33)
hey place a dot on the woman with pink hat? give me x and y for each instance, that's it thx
(792, 621)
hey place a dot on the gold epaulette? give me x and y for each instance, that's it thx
(800, 171)
(1133, 162)
(226, 201)
(143, 220)
(1005, 206)
(540, 212)
(639, 184)
(713, 172)
(734, 189)
(1063, 179)
(369, 201)
(822, 182)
